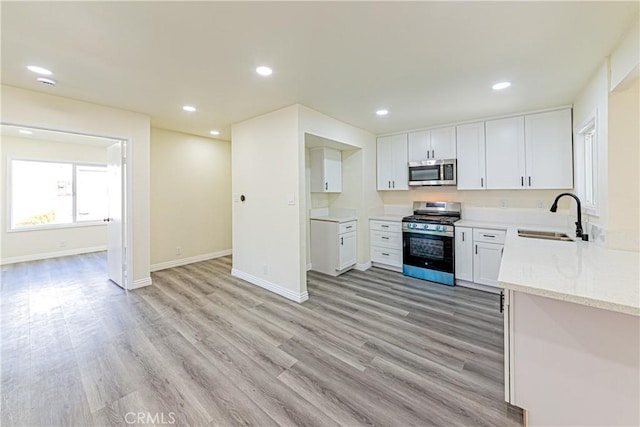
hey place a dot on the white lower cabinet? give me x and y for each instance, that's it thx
(333, 246)
(386, 244)
(486, 263)
(478, 253)
(347, 249)
(464, 253)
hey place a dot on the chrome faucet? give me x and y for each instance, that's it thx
(554, 208)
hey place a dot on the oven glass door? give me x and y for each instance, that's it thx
(434, 252)
(425, 173)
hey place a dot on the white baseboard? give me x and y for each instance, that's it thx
(140, 283)
(478, 286)
(189, 260)
(47, 255)
(270, 286)
(309, 266)
(364, 266)
(388, 267)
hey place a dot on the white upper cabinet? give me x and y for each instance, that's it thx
(326, 170)
(432, 144)
(419, 146)
(471, 157)
(549, 151)
(443, 143)
(505, 153)
(392, 167)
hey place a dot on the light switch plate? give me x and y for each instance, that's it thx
(236, 197)
(291, 199)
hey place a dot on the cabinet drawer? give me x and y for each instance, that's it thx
(387, 256)
(346, 227)
(386, 226)
(488, 235)
(386, 239)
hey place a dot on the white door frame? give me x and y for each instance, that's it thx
(127, 195)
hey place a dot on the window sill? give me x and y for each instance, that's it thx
(57, 226)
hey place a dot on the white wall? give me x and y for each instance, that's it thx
(624, 169)
(267, 161)
(25, 245)
(190, 198)
(593, 101)
(358, 174)
(625, 59)
(37, 109)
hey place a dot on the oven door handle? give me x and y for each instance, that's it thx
(429, 233)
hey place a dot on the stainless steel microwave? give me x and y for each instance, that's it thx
(433, 172)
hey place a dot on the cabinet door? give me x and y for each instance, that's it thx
(383, 161)
(332, 170)
(464, 253)
(400, 166)
(486, 263)
(549, 150)
(505, 153)
(346, 250)
(419, 146)
(443, 143)
(471, 157)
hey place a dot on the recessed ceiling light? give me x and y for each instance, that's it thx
(264, 71)
(46, 81)
(215, 132)
(25, 132)
(382, 112)
(39, 70)
(501, 85)
(189, 108)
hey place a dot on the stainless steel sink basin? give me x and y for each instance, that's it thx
(546, 235)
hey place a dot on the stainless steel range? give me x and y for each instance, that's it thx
(428, 241)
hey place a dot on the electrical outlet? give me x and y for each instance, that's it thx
(540, 204)
(63, 243)
(178, 250)
(503, 203)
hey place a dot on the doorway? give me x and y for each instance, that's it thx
(74, 217)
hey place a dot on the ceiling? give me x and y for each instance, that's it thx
(428, 63)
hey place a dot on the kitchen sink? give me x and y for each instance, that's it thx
(546, 235)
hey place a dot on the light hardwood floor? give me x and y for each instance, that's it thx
(203, 348)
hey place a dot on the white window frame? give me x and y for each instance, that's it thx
(74, 224)
(589, 126)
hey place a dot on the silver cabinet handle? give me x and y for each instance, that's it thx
(529, 181)
(349, 226)
(463, 236)
(326, 185)
(384, 226)
(394, 184)
(476, 249)
(389, 184)
(385, 254)
(342, 240)
(385, 238)
(522, 181)
(433, 154)
(493, 236)
(481, 182)
(427, 154)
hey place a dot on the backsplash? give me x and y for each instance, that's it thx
(526, 199)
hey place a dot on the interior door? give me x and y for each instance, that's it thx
(115, 230)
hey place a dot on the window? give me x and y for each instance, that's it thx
(587, 136)
(45, 194)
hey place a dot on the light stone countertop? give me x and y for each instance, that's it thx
(579, 272)
(387, 217)
(334, 218)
